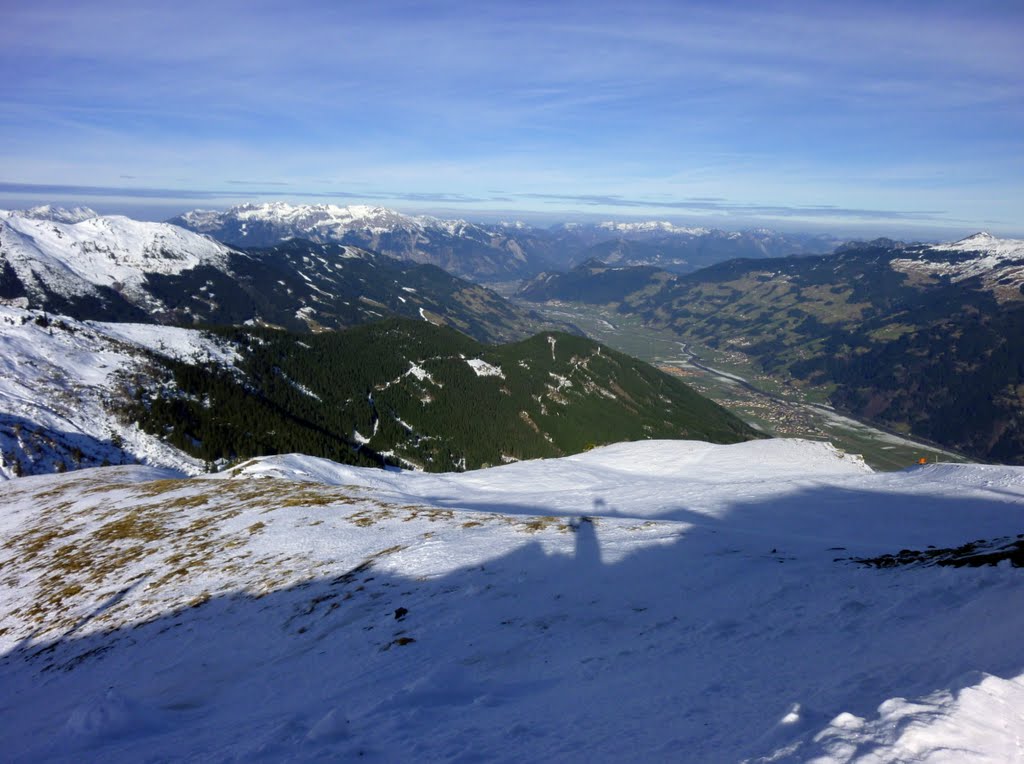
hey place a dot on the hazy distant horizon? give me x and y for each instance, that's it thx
(158, 209)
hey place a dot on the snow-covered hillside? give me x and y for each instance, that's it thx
(62, 381)
(654, 601)
(72, 253)
(999, 263)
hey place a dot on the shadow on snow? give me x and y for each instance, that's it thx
(691, 647)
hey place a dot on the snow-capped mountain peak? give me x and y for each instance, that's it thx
(463, 248)
(308, 218)
(653, 226)
(999, 263)
(986, 243)
(58, 214)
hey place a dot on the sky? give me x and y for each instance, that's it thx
(893, 117)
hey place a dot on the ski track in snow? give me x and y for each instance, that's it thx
(641, 602)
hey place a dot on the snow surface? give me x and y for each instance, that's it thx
(59, 214)
(72, 258)
(986, 243)
(650, 601)
(61, 381)
(484, 369)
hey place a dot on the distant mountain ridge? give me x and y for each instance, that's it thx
(684, 249)
(462, 248)
(494, 252)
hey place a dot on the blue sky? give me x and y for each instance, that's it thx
(890, 117)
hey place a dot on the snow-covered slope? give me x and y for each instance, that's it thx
(655, 601)
(72, 259)
(465, 249)
(60, 385)
(986, 244)
(999, 263)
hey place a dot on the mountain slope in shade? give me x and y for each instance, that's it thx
(646, 601)
(302, 286)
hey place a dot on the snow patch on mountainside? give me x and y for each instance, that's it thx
(186, 345)
(484, 369)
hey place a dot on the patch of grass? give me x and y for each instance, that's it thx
(433, 515)
(159, 487)
(386, 552)
(32, 542)
(536, 524)
(366, 518)
(133, 525)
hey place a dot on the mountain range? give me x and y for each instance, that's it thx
(113, 268)
(495, 252)
(926, 339)
(465, 249)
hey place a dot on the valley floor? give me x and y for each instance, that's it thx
(666, 601)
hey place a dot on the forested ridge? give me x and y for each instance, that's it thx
(414, 394)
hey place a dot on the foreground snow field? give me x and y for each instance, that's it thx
(642, 602)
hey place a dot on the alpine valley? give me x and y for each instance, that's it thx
(91, 379)
(923, 339)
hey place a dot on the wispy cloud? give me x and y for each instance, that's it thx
(765, 102)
